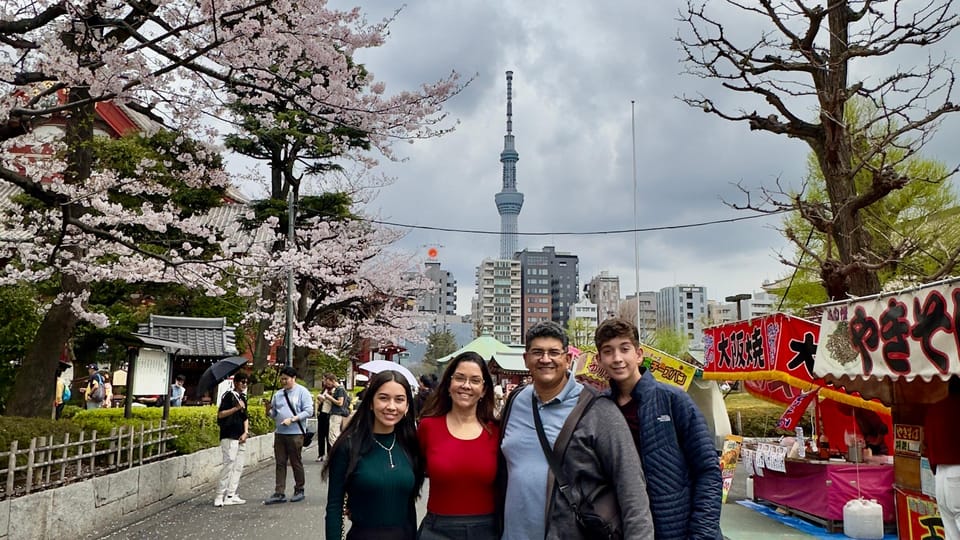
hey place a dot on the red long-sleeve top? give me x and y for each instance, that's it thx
(942, 438)
(461, 472)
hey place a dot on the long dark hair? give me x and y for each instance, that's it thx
(357, 437)
(440, 403)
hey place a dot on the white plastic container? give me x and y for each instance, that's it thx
(863, 519)
(750, 488)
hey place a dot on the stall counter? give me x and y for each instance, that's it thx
(820, 489)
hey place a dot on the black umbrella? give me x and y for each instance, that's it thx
(218, 372)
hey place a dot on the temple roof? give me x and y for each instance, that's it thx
(206, 337)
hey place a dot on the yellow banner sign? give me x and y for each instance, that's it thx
(665, 368)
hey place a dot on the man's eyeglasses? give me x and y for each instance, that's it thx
(554, 354)
(463, 379)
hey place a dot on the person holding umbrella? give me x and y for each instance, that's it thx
(234, 430)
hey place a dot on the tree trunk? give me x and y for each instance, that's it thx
(34, 388)
(835, 155)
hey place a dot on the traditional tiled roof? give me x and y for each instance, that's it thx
(205, 336)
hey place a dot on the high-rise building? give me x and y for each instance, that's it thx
(498, 300)
(586, 311)
(509, 200)
(604, 291)
(648, 313)
(548, 273)
(442, 300)
(683, 308)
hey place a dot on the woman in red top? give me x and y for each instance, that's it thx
(458, 438)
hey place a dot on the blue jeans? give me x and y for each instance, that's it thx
(437, 527)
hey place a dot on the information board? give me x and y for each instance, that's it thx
(151, 375)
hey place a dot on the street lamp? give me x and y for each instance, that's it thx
(738, 298)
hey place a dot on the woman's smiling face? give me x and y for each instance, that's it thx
(389, 406)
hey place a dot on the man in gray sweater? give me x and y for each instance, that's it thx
(600, 451)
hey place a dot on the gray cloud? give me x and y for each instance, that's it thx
(577, 66)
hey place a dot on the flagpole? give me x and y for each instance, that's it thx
(636, 241)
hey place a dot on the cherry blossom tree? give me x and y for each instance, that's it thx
(179, 63)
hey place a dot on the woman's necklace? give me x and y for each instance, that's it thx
(389, 450)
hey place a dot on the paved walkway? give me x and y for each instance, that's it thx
(197, 519)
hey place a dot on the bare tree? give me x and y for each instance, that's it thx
(801, 61)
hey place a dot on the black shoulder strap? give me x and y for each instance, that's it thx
(294, 411)
(584, 402)
(505, 413)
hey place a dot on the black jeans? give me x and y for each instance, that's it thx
(323, 427)
(287, 448)
(437, 527)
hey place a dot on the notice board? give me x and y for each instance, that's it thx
(152, 373)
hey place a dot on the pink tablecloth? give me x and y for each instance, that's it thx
(822, 488)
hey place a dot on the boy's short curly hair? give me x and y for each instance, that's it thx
(615, 328)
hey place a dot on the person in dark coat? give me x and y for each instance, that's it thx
(676, 447)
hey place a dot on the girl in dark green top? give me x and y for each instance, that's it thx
(375, 466)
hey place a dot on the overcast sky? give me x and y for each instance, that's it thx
(577, 65)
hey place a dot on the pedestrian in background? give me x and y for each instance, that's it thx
(94, 392)
(675, 445)
(177, 391)
(289, 407)
(234, 431)
(62, 388)
(107, 390)
(323, 407)
(459, 437)
(374, 469)
(336, 396)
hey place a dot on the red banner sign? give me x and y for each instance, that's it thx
(778, 349)
(776, 346)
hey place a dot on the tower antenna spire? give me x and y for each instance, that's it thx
(509, 200)
(509, 102)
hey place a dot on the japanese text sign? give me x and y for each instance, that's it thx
(906, 335)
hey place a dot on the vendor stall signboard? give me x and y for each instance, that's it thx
(777, 348)
(907, 439)
(906, 335)
(665, 368)
(918, 517)
(728, 462)
(668, 369)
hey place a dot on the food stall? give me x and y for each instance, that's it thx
(774, 355)
(901, 348)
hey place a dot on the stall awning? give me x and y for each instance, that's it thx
(893, 345)
(775, 347)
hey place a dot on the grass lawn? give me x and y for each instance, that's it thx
(758, 417)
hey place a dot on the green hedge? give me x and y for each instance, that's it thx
(196, 429)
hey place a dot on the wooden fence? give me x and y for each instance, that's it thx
(47, 464)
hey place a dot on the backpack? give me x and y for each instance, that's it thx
(65, 397)
(347, 400)
(98, 395)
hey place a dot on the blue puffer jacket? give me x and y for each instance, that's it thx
(679, 461)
